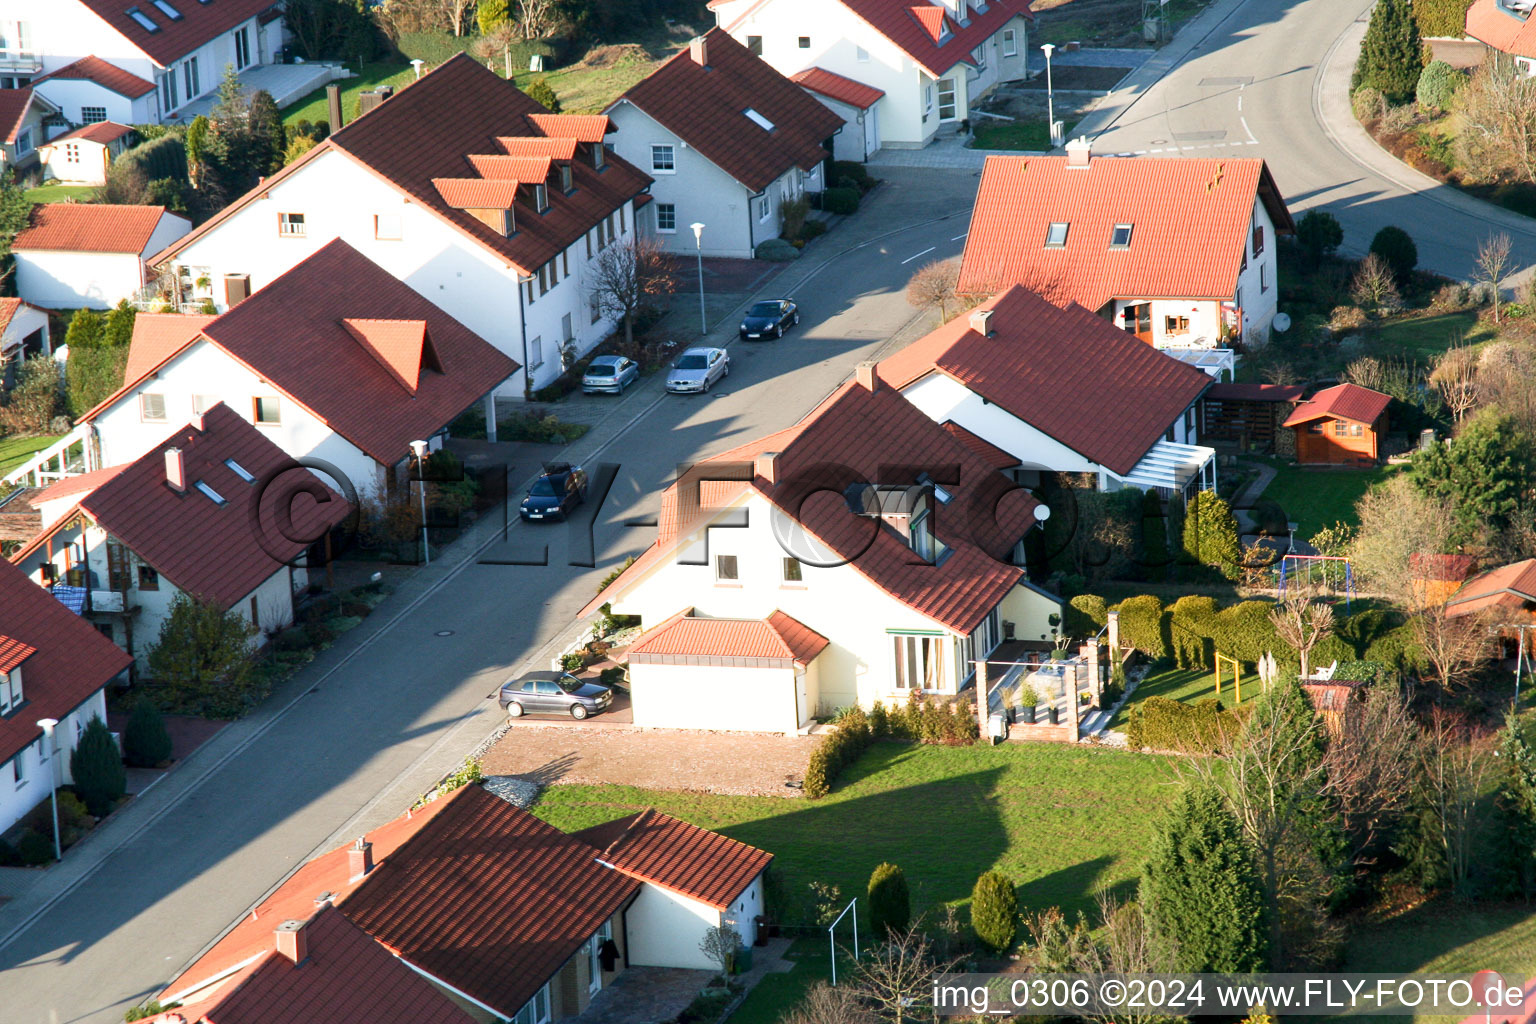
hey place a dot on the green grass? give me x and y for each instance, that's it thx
(1317, 498)
(15, 450)
(1188, 685)
(1031, 136)
(312, 107)
(1424, 337)
(61, 193)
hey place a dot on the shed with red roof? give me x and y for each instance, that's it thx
(1341, 424)
(83, 156)
(90, 254)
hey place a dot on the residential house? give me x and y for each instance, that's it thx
(336, 361)
(23, 334)
(728, 141)
(862, 554)
(23, 114)
(90, 254)
(1058, 392)
(91, 90)
(1341, 424)
(854, 102)
(542, 920)
(180, 46)
(1180, 251)
(1505, 25)
(82, 156)
(203, 513)
(933, 60)
(463, 188)
(1506, 594)
(52, 665)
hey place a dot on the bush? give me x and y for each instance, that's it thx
(1143, 625)
(613, 676)
(542, 93)
(1191, 629)
(813, 229)
(1246, 632)
(1398, 650)
(97, 768)
(34, 401)
(994, 911)
(840, 200)
(890, 905)
(34, 848)
(776, 250)
(1210, 534)
(1347, 318)
(1438, 85)
(91, 376)
(1368, 104)
(146, 742)
(1085, 615)
(853, 171)
(1394, 245)
(1319, 234)
(164, 157)
(87, 329)
(202, 655)
(573, 662)
(1441, 18)
(1158, 723)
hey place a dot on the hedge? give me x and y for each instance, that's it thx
(1143, 625)
(1160, 723)
(1191, 629)
(840, 200)
(1362, 672)
(918, 721)
(165, 157)
(1086, 614)
(1445, 18)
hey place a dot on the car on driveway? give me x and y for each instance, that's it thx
(553, 495)
(769, 319)
(554, 693)
(698, 368)
(609, 373)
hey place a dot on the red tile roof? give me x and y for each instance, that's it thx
(80, 483)
(477, 193)
(176, 37)
(843, 443)
(1445, 568)
(1342, 401)
(157, 337)
(554, 149)
(581, 127)
(13, 111)
(835, 86)
(347, 978)
(525, 170)
(1231, 391)
(401, 346)
(103, 132)
(1490, 24)
(89, 227)
(10, 307)
(983, 449)
(706, 106)
(72, 662)
(105, 74)
(1191, 219)
(1075, 376)
(673, 854)
(1508, 586)
(13, 652)
(217, 552)
(778, 637)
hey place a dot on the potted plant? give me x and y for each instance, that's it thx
(1028, 698)
(1052, 714)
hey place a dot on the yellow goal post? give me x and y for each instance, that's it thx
(1224, 660)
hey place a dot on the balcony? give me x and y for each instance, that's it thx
(107, 601)
(20, 62)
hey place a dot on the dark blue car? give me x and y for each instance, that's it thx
(769, 319)
(553, 495)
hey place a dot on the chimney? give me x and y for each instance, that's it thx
(292, 942)
(981, 322)
(359, 859)
(333, 105)
(698, 49)
(766, 465)
(864, 373)
(175, 470)
(1079, 152)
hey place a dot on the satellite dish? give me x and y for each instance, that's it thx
(1042, 513)
(1282, 322)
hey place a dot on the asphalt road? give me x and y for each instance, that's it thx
(1253, 87)
(377, 720)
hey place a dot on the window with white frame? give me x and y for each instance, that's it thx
(11, 696)
(766, 211)
(290, 225)
(242, 48)
(152, 408)
(804, 42)
(755, 45)
(793, 571)
(927, 102)
(663, 159)
(535, 353)
(168, 94)
(536, 1010)
(386, 226)
(1010, 43)
(595, 306)
(190, 77)
(93, 115)
(666, 217)
(24, 141)
(266, 410)
(917, 660)
(19, 766)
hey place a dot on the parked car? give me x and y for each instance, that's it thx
(609, 373)
(558, 693)
(553, 495)
(770, 319)
(697, 368)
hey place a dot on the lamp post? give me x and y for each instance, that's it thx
(698, 241)
(1050, 94)
(48, 725)
(420, 448)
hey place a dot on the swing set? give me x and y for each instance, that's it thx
(1310, 571)
(1226, 660)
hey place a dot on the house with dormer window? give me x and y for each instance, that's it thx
(1506, 26)
(463, 188)
(728, 141)
(929, 61)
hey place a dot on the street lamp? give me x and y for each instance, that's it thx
(1050, 94)
(420, 448)
(48, 725)
(698, 241)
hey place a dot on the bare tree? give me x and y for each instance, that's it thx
(933, 287)
(1124, 944)
(457, 14)
(1371, 766)
(720, 945)
(896, 977)
(1455, 377)
(1398, 524)
(824, 1004)
(1453, 644)
(534, 17)
(1302, 624)
(1454, 764)
(1374, 284)
(628, 277)
(1493, 262)
(1498, 135)
(1506, 377)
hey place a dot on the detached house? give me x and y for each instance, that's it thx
(463, 188)
(930, 60)
(203, 513)
(530, 924)
(1041, 390)
(1505, 25)
(859, 555)
(91, 90)
(90, 254)
(22, 116)
(1179, 251)
(728, 140)
(336, 360)
(52, 665)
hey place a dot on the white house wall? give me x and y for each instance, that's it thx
(70, 280)
(861, 133)
(63, 31)
(38, 767)
(1258, 288)
(26, 321)
(665, 929)
(70, 94)
(89, 169)
(715, 698)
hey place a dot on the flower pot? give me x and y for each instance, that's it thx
(1052, 714)
(1027, 712)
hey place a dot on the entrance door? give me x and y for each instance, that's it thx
(946, 99)
(1138, 320)
(803, 705)
(872, 129)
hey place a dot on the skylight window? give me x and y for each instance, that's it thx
(211, 494)
(1120, 238)
(240, 471)
(167, 10)
(759, 120)
(1056, 234)
(144, 20)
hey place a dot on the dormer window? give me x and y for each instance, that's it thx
(599, 155)
(567, 179)
(167, 10)
(144, 21)
(11, 696)
(540, 197)
(1120, 237)
(1056, 235)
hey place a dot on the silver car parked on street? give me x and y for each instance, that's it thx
(698, 368)
(609, 373)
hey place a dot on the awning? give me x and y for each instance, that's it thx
(1170, 464)
(1213, 361)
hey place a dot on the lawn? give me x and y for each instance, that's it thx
(1031, 136)
(61, 193)
(1188, 685)
(1318, 498)
(15, 450)
(1424, 337)
(312, 107)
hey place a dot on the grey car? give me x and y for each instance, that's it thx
(558, 693)
(697, 369)
(609, 373)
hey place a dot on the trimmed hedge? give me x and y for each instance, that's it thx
(1191, 629)
(1161, 723)
(1086, 614)
(164, 157)
(840, 200)
(1143, 625)
(918, 721)
(1445, 18)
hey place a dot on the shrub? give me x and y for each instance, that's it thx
(776, 250)
(1319, 234)
(34, 848)
(1210, 533)
(1158, 723)
(542, 93)
(34, 401)
(612, 676)
(792, 214)
(994, 911)
(9, 858)
(1394, 245)
(1143, 626)
(1390, 54)
(818, 779)
(840, 200)
(1085, 615)
(1368, 104)
(1441, 18)
(1246, 632)
(1191, 627)
(879, 722)
(203, 656)
(1398, 650)
(852, 170)
(1438, 85)
(813, 229)
(92, 375)
(97, 768)
(573, 662)
(146, 742)
(87, 329)
(890, 905)
(164, 157)
(1347, 318)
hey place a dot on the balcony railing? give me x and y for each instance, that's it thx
(25, 62)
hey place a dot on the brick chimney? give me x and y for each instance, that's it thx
(766, 465)
(292, 942)
(359, 859)
(175, 470)
(981, 322)
(698, 49)
(865, 374)
(1079, 152)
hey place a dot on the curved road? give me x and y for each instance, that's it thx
(1270, 78)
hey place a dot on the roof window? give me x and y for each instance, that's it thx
(144, 20)
(167, 10)
(759, 120)
(240, 471)
(1056, 234)
(1120, 238)
(211, 494)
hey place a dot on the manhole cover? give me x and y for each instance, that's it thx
(443, 632)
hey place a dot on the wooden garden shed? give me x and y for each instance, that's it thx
(1340, 425)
